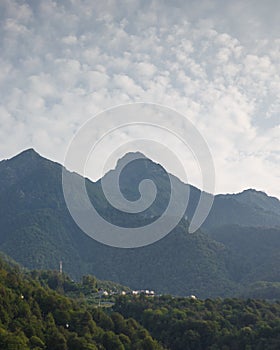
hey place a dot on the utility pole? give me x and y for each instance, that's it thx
(60, 279)
(60, 266)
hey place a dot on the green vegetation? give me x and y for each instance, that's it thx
(36, 317)
(253, 252)
(191, 324)
(36, 313)
(37, 231)
(90, 289)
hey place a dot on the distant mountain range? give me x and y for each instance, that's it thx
(235, 252)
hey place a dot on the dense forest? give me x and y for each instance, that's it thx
(239, 258)
(37, 317)
(219, 324)
(37, 312)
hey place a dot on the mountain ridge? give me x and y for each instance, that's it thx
(37, 231)
(32, 151)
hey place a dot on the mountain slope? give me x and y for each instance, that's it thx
(37, 230)
(255, 252)
(248, 208)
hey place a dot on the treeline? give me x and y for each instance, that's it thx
(192, 324)
(36, 317)
(62, 284)
(36, 314)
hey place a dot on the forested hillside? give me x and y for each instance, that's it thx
(238, 249)
(36, 317)
(192, 324)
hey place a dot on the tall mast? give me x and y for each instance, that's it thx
(60, 266)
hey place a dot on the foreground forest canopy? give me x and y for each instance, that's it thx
(34, 316)
(192, 324)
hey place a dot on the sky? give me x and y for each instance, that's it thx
(216, 62)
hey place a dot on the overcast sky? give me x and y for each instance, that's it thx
(215, 61)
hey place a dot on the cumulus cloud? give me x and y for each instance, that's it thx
(216, 62)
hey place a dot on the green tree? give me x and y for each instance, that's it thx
(112, 342)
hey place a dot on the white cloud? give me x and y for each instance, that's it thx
(217, 63)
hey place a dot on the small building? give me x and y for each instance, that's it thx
(193, 297)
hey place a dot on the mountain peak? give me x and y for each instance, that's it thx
(133, 155)
(129, 157)
(25, 161)
(251, 190)
(29, 152)
(252, 193)
(25, 155)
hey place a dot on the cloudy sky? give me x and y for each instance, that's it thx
(215, 61)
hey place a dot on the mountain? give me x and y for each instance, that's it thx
(248, 208)
(37, 230)
(254, 252)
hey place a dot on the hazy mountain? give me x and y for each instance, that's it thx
(248, 208)
(37, 230)
(254, 252)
